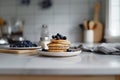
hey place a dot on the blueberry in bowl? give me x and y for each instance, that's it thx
(24, 43)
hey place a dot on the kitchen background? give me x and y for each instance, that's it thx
(63, 17)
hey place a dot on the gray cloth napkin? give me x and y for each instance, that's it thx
(105, 48)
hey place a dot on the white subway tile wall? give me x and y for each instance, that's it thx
(63, 17)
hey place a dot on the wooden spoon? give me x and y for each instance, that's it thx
(91, 25)
(2, 24)
(85, 25)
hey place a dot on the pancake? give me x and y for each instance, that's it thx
(53, 46)
(60, 41)
(57, 50)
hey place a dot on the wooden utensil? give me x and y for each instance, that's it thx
(85, 25)
(2, 26)
(98, 31)
(91, 25)
(88, 24)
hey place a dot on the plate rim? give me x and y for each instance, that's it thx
(62, 54)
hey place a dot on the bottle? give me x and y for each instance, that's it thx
(9, 29)
(44, 39)
(44, 31)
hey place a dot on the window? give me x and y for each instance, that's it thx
(113, 18)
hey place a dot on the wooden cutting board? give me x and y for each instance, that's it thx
(18, 51)
(98, 30)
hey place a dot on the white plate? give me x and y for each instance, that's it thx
(60, 54)
(21, 48)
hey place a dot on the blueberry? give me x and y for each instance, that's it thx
(14, 45)
(34, 45)
(44, 50)
(53, 36)
(27, 41)
(56, 37)
(61, 37)
(22, 42)
(11, 45)
(58, 34)
(21, 45)
(68, 50)
(17, 43)
(64, 38)
(26, 45)
(30, 45)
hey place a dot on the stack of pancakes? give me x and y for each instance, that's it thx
(58, 45)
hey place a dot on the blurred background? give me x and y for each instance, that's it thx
(26, 17)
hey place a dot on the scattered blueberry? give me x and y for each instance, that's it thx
(68, 50)
(11, 45)
(44, 50)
